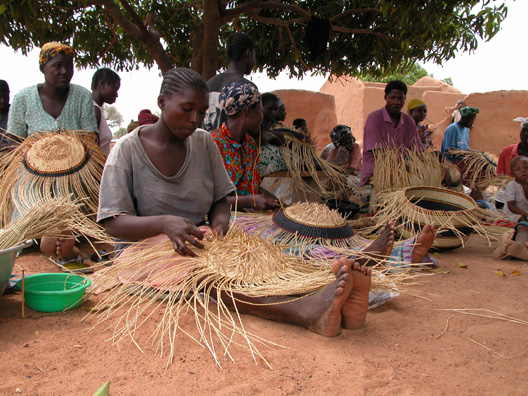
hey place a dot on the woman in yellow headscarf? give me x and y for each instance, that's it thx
(417, 109)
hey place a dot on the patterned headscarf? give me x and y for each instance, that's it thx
(237, 97)
(414, 103)
(50, 50)
(339, 131)
(469, 112)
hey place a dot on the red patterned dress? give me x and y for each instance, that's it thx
(241, 160)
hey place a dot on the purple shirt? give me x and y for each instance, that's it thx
(380, 132)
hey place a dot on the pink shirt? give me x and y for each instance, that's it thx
(380, 132)
(507, 154)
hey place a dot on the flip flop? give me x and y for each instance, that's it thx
(74, 265)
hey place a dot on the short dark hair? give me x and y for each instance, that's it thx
(237, 44)
(4, 86)
(299, 122)
(268, 97)
(178, 78)
(515, 160)
(399, 85)
(105, 75)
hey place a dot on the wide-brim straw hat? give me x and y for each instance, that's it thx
(51, 165)
(454, 215)
(56, 155)
(329, 226)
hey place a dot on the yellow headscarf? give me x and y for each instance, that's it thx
(414, 103)
(50, 50)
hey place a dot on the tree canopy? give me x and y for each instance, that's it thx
(369, 36)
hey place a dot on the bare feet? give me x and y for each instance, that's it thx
(381, 247)
(354, 309)
(424, 241)
(506, 240)
(327, 304)
(515, 249)
(66, 249)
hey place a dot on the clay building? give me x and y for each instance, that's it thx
(349, 101)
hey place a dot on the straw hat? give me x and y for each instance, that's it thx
(56, 155)
(313, 220)
(48, 166)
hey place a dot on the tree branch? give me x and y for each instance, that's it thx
(353, 11)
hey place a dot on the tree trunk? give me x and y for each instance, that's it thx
(212, 21)
(197, 47)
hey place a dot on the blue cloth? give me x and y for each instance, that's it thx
(456, 137)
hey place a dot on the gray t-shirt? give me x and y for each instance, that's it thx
(131, 184)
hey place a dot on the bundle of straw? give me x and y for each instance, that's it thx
(479, 168)
(400, 168)
(238, 264)
(51, 218)
(49, 165)
(301, 159)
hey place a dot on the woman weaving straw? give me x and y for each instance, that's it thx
(161, 180)
(243, 106)
(55, 105)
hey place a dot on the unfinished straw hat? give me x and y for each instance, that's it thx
(51, 165)
(454, 215)
(238, 263)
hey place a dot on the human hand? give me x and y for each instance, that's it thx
(219, 228)
(261, 202)
(180, 230)
(342, 155)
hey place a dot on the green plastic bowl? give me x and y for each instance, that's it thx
(54, 292)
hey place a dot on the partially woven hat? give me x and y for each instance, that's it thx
(48, 166)
(298, 220)
(56, 155)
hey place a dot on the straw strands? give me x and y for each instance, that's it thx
(479, 168)
(48, 165)
(401, 168)
(301, 159)
(450, 212)
(50, 218)
(238, 266)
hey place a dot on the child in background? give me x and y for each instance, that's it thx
(516, 191)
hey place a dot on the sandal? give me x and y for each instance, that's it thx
(74, 265)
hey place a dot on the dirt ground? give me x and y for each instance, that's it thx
(409, 346)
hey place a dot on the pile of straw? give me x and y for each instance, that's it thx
(238, 264)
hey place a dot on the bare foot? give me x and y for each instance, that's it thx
(515, 249)
(506, 240)
(381, 247)
(330, 301)
(66, 249)
(354, 309)
(424, 241)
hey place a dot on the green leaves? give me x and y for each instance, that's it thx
(367, 36)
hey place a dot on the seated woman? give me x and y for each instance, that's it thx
(242, 105)
(53, 105)
(344, 150)
(165, 178)
(105, 84)
(417, 109)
